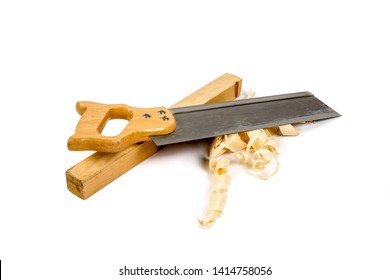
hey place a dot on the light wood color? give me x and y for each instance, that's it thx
(143, 122)
(98, 170)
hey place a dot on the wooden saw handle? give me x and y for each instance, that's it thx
(142, 124)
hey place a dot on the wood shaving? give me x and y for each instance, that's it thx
(288, 130)
(218, 195)
(234, 142)
(256, 149)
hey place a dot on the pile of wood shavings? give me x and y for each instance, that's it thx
(256, 148)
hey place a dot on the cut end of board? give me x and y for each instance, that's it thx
(74, 185)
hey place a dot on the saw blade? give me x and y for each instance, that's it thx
(211, 120)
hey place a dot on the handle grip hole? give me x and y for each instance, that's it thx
(114, 127)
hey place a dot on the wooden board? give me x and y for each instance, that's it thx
(98, 170)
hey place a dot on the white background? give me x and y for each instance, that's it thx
(325, 215)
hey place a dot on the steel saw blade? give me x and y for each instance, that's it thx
(211, 120)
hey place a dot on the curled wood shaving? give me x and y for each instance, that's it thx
(243, 157)
(218, 196)
(271, 130)
(217, 148)
(221, 167)
(288, 130)
(256, 148)
(234, 142)
(258, 168)
(261, 158)
(257, 138)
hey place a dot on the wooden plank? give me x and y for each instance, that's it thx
(98, 170)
